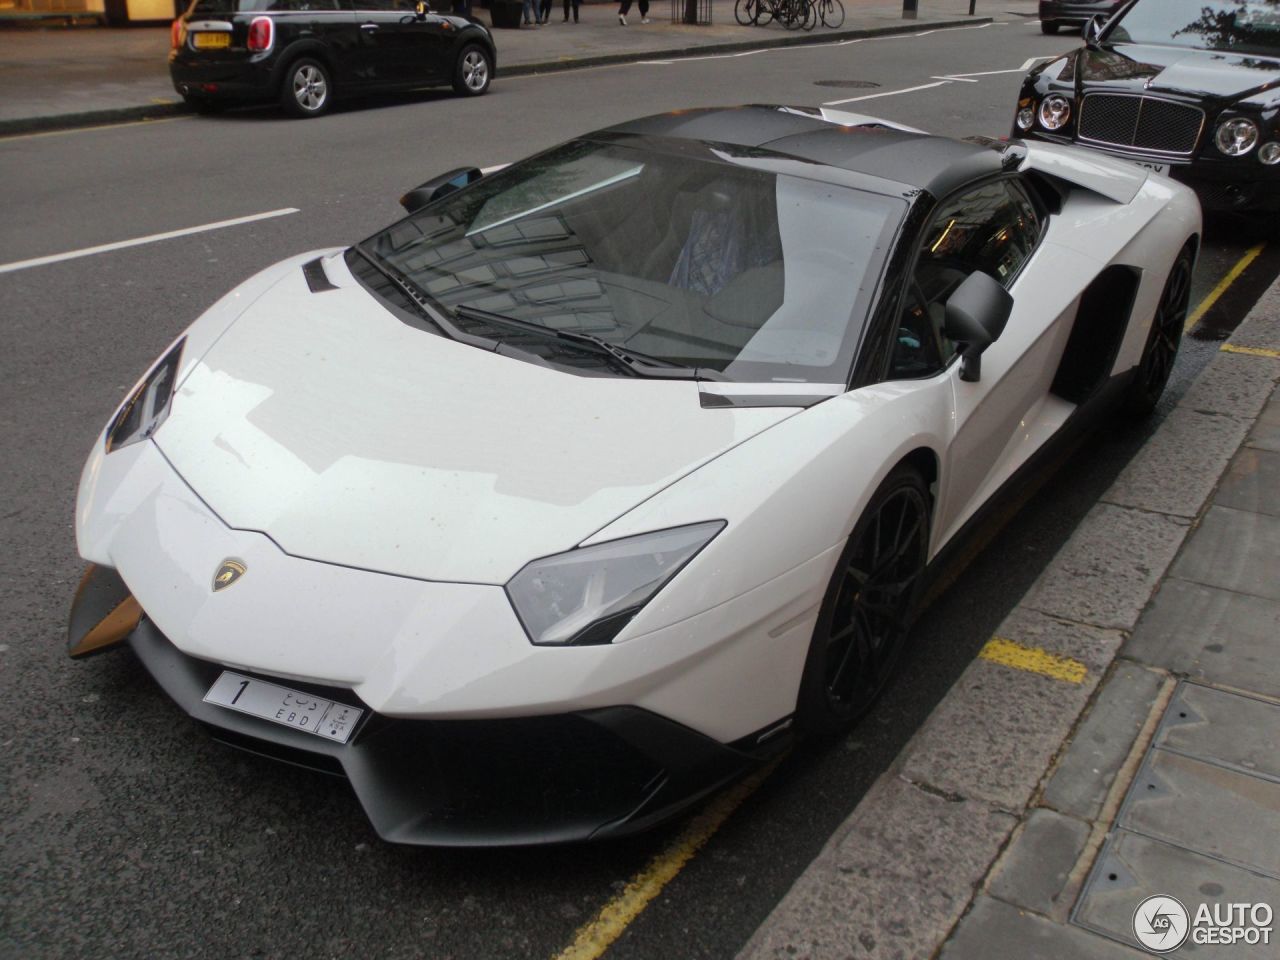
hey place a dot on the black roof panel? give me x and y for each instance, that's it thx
(923, 161)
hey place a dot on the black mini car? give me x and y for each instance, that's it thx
(1055, 14)
(305, 52)
(1190, 88)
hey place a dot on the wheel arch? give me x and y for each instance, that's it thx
(295, 51)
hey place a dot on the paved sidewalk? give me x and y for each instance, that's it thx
(1119, 739)
(70, 77)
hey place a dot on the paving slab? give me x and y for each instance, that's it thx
(995, 734)
(1033, 872)
(1266, 432)
(1088, 768)
(1207, 808)
(1235, 550)
(1223, 728)
(1105, 574)
(891, 885)
(1133, 867)
(997, 931)
(1252, 482)
(1194, 447)
(1212, 635)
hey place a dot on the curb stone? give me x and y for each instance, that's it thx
(972, 752)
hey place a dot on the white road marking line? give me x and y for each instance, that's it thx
(139, 241)
(886, 93)
(987, 73)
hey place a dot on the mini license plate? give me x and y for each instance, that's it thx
(291, 708)
(1157, 167)
(210, 40)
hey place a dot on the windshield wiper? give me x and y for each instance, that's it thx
(423, 303)
(628, 361)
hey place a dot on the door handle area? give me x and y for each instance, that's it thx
(368, 26)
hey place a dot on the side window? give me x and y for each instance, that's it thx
(993, 228)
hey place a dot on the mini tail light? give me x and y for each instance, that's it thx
(176, 33)
(262, 31)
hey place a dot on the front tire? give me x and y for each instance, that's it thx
(1048, 27)
(307, 90)
(473, 71)
(1161, 349)
(868, 608)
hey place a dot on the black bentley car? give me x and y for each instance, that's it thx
(1190, 88)
(1055, 14)
(304, 53)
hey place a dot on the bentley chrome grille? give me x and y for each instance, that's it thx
(1141, 123)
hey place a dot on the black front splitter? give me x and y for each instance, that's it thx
(472, 783)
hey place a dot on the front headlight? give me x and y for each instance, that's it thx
(148, 405)
(1270, 153)
(1237, 136)
(589, 594)
(1026, 115)
(1055, 111)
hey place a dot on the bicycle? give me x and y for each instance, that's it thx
(829, 12)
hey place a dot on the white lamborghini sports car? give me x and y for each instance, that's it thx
(587, 485)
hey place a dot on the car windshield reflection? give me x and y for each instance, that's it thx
(680, 254)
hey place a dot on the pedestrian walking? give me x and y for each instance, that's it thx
(544, 11)
(530, 12)
(576, 4)
(626, 8)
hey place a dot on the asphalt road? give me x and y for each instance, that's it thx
(126, 832)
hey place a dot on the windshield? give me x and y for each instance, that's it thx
(1240, 26)
(691, 255)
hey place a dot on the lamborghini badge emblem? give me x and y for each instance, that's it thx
(228, 573)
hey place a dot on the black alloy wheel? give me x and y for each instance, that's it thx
(307, 89)
(1161, 350)
(1048, 27)
(868, 608)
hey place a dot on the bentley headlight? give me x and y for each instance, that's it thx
(1270, 153)
(148, 405)
(1026, 115)
(1237, 136)
(587, 595)
(1055, 111)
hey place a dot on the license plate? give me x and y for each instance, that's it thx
(1157, 167)
(290, 708)
(210, 41)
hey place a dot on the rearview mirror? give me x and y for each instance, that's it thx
(438, 187)
(975, 317)
(1092, 31)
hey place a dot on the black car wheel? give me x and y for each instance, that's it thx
(1048, 26)
(1161, 349)
(473, 71)
(308, 89)
(869, 605)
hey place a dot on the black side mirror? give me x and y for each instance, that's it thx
(975, 317)
(1092, 31)
(438, 187)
